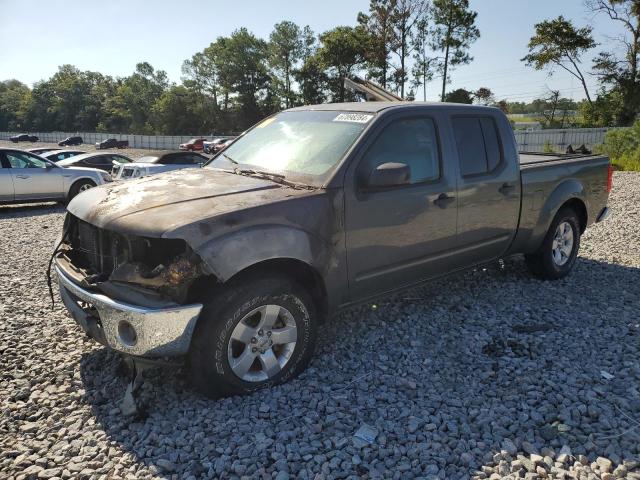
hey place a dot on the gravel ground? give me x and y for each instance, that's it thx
(132, 153)
(489, 374)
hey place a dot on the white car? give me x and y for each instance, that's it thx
(152, 164)
(26, 177)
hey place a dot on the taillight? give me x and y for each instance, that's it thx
(609, 178)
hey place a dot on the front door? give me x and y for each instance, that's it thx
(398, 236)
(6, 181)
(33, 177)
(488, 187)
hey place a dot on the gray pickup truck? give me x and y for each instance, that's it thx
(231, 267)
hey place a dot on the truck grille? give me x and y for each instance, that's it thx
(94, 246)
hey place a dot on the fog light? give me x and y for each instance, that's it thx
(127, 334)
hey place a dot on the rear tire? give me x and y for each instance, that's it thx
(79, 186)
(557, 255)
(231, 353)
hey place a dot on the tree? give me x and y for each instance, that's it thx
(342, 52)
(244, 73)
(453, 34)
(286, 45)
(460, 95)
(14, 97)
(503, 105)
(379, 24)
(405, 15)
(616, 70)
(138, 93)
(423, 62)
(557, 43)
(484, 96)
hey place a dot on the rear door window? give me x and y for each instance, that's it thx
(478, 145)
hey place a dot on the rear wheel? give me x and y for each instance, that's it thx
(80, 186)
(256, 333)
(557, 255)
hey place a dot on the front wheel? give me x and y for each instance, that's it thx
(80, 186)
(557, 255)
(256, 333)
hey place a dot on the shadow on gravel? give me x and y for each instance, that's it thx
(29, 210)
(444, 373)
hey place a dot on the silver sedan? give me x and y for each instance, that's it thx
(25, 177)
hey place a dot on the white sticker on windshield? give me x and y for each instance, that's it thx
(353, 117)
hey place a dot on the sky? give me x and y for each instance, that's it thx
(112, 36)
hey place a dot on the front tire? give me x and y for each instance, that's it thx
(259, 331)
(557, 255)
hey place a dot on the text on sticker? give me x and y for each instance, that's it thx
(353, 117)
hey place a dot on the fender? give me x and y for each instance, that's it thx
(227, 255)
(565, 191)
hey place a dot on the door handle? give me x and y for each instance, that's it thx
(23, 176)
(443, 200)
(506, 188)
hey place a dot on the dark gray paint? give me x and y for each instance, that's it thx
(360, 243)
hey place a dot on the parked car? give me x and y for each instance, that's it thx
(222, 145)
(112, 143)
(103, 161)
(70, 141)
(23, 137)
(58, 155)
(25, 177)
(236, 264)
(208, 147)
(157, 164)
(40, 150)
(194, 145)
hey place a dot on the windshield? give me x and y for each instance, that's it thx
(148, 159)
(305, 144)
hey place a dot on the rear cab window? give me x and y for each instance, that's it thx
(478, 144)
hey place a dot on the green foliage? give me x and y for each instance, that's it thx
(459, 96)
(285, 48)
(341, 52)
(604, 111)
(622, 145)
(619, 68)
(14, 98)
(548, 147)
(454, 32)
(557, 43)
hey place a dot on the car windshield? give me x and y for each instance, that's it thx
(304, 144)
(148, 159)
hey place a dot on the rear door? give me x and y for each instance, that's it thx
(488, 187)
(7, 193)
(33, 177)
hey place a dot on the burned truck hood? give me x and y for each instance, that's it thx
(157, 205)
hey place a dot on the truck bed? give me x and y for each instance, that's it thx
(536, 158)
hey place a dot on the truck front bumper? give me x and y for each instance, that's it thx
(129, 328)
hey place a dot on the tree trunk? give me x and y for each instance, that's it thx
(444, 75)
(446, 54)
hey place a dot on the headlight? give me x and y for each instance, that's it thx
(105, 177)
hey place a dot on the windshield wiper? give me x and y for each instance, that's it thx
(229, 158)
(274, 177)
(253, 171)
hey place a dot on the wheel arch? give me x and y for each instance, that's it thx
(80, 179)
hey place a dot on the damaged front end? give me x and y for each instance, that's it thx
(130, 293)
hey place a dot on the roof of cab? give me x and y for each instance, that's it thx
(375, 107)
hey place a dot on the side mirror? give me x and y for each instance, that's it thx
(389, 174)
